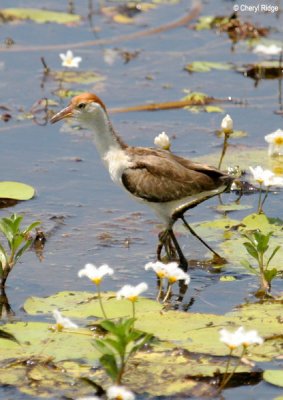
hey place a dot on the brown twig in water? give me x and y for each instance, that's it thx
(167, 105)
(183, 21)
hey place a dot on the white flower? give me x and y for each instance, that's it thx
(239, 338)
(62, 322)
(162, 141)
(69, 61)
(130, 292)
(119, 393)
(251, 337)
(158, 267)
(227, 124)
(231, 339)
(274, 181)
(170, 271)
(95, 274)
(268, 50)
(174, 273)
(262, 176)
(89, 398)
(275, 141)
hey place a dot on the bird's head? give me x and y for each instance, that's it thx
(83, 108)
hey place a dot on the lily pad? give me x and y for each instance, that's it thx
(82, 77)
(40, 16)
(195, 332)
(86, 305)
(274, 376)
(244, 157)
(36, 338)
(206, 66)
(16, 191)
(228, 233)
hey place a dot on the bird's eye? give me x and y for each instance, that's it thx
(81, 106)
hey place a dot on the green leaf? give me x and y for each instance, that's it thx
(40, 16)
(110, 365)
(249, 267)
(118, 346)
(16, 190)
(213, 109)
(81, 77)
(206, 66)
(272, 255)
(270, 274)
(251, 250)
(262, 241)
(274, 377)
(31, 227)
(101, 346)
(7, 336)
(23, 249)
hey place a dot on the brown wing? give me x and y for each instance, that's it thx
(160, 176)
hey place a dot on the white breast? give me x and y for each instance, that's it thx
(116, 161)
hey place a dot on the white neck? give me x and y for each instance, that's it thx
(109, 146)
(104, 135)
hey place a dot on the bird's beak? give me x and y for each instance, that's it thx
(65, 113)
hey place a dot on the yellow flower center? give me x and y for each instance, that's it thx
(279, 140)
(172, 279)
(133, 299)
(59, 327)
(97, 281)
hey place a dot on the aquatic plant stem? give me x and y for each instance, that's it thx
(259, 206)
(167, 293)
(227, 377)
(100, 302)
(160, 289)
(134, 309)
(265, 197)
(224, 148)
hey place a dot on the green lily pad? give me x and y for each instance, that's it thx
(274, 376)
(40, 16)
(86, 305)
(16, 191)
(82, 77)
(40, 377)
(36, 338)
(188, 347)
(210, 22)
(213, 109)
(244, 157)
(227, 233)
(207, 66)
(195, 332)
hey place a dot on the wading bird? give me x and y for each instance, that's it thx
(167, 183)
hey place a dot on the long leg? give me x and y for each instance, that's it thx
(199, 238)
(183, 261)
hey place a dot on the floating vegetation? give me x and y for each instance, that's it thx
(263, 70)
(207, 66)
(233, 26)
(38, 16)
